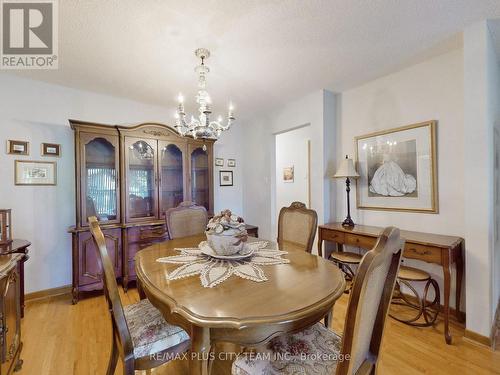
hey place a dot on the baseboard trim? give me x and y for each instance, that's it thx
(477, 338)
(47, 293)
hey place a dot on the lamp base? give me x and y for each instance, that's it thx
(348, 222)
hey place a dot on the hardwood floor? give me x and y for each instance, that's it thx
(63, 339)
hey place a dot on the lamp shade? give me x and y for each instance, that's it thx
(346, 169)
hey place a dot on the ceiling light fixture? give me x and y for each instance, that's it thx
(201, 127)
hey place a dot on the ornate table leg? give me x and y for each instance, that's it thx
(200, 351)
(328, 318)
(447, 286)
(460, 271)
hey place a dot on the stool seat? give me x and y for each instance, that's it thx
(346, 257)
(412, 274)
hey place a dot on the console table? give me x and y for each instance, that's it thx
(428, 247)
(18, 246)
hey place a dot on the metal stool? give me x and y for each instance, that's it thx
(344, 260)
(429, 310)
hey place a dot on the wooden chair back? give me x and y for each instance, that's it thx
(120, 329)
(369, 303)
(297, 227)
(187, 219)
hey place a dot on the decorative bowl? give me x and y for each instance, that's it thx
(226, 233)
(228, 242)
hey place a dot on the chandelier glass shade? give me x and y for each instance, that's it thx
(201, 126)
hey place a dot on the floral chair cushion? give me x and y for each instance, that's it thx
(150, 333)
(314, 351)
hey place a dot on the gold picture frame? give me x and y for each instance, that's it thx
(18, 147)
(51, 149)
(35, 173)
(424, 143)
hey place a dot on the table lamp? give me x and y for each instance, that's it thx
(347, 171)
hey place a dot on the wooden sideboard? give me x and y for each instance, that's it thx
(252, 230)
(427, 247)
(10, 313)
(128, 177)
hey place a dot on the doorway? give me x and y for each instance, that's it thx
(293, 167)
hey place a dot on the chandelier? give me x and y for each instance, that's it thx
(201, 126)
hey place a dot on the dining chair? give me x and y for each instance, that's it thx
(320, 351)
(141, 337)
(297, 227)
(187, 219)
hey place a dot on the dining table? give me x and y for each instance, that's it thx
(295, 296)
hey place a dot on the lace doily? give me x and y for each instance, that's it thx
(214, 271)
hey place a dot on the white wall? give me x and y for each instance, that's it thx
(39, 112)
(259, 199)
(432, 90)
(292, 151)
(229, 147)
(479, 66)
(494, 113)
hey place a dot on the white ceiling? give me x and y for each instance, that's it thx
(264, 52)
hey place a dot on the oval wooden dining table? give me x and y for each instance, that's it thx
(295, 296)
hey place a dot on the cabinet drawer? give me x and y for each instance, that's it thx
(426, 253)
(334, 236)
(153, 233)
(147, 233)
(364, 242)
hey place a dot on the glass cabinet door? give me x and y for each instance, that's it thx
(171, 175)
(99, 185)
(200, 177)
(140, 159)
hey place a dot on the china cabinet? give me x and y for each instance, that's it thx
(10, 314)
(128, 177)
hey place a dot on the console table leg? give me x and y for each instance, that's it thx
(460, 273)
(447, 287)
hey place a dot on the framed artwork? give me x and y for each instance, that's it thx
(288, 174)
(231, 163)
(17, 147)
(219, 162)
(51, 149)
(35, 172)
(398, 169)
(226, 178)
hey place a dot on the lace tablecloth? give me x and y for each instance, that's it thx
(214, 271)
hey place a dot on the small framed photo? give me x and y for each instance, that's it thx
(51, 149)
(288, 174)
(226, 178)
(219, 162)
(231, 163)
(17, 147)
(28, 172)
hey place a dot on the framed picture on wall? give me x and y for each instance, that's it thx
(17, 147)
(35, 172)
(219, 162)
(231, 163)
(51, 149)
(226, 178)
(398, 169)
(288, 174)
